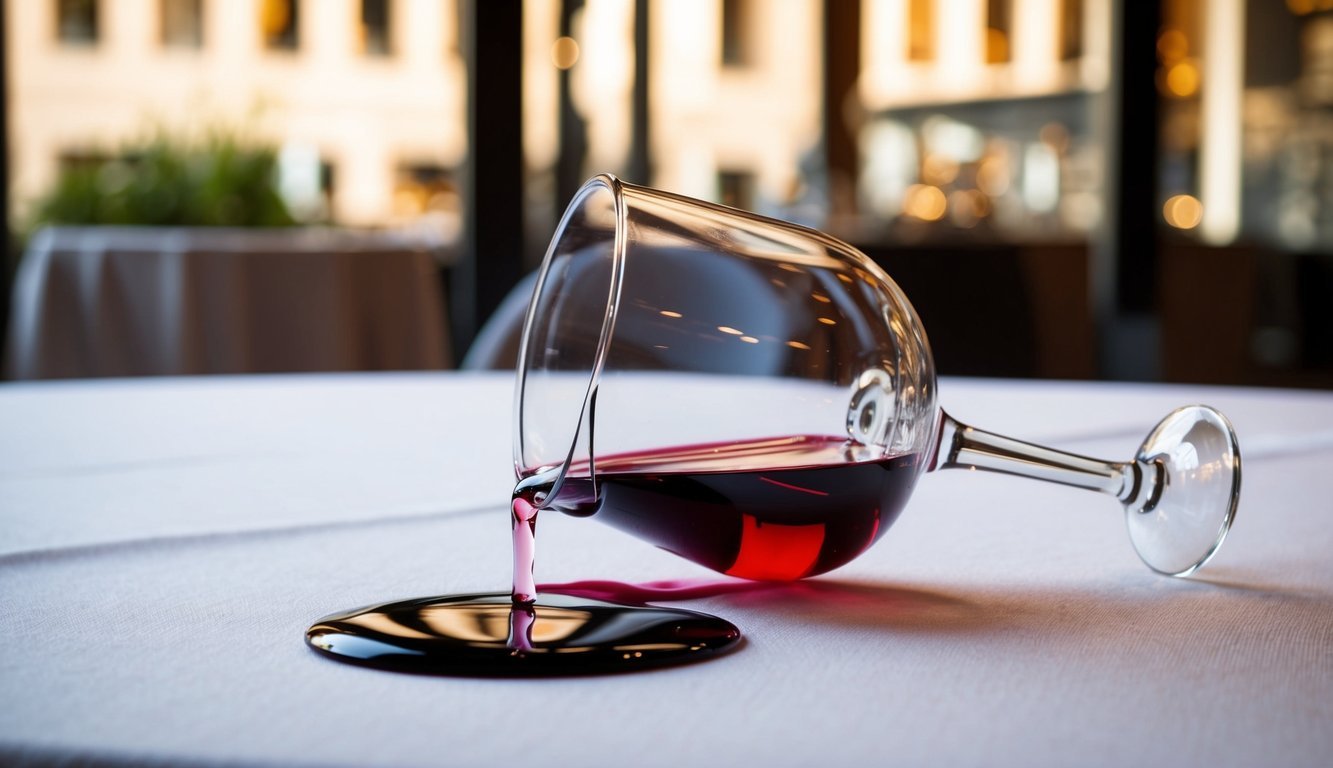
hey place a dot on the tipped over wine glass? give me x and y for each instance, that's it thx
(752, 395)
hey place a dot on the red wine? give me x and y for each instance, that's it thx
(524, 524)
(771, 509)
(774, 509)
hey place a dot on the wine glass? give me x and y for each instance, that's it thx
(760, 398)
(757, 397)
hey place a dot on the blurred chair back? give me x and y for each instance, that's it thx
(496, 345)
(137, 301)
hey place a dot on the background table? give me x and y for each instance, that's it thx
(136, 301)
(164, 543)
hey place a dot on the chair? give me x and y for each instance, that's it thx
(496, 345)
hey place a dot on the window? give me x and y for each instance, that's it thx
(306, 182)
(376, 39)
(999, 28)
(182, 23)
(76, 22)
(1071, 29)
(426, 190)
(453, 28)
(279, 21)
(81, 160)
(920, 30)
(736, 188)
(737, 25)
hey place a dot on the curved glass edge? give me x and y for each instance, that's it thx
(916, 399)
(615, 187)
(914, 380)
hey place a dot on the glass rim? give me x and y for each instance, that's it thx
(623, 197)
(608, 183)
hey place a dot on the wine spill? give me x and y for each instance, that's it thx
(776, 509)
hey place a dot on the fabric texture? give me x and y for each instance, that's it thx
(164, 544)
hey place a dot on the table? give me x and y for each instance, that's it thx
(165, 542)
(137, 301)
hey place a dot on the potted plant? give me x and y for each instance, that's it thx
(179, 256)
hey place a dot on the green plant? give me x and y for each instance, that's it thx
(214, 181)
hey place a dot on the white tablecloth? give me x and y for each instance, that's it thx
(164, 544)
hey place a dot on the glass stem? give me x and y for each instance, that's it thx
(1136, 484)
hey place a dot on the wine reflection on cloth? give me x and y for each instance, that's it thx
(827, 600)
(1099, 615)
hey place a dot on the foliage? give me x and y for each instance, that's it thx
(214, 181)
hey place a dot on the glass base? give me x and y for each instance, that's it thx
(1188, 472)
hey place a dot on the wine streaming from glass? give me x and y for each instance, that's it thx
(752, 395)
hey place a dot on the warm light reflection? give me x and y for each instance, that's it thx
(552, 626)
(925, 202)
(639, 648)
(1301, 7)
(1183, 212)
(798, 345)
(669, 313)
(939, 169)
(1172, 45)
(821, 298)
(378, 622)
(993, 176)
(967, 207)
(1182, 79)
(564, 52)
(482, 626)
(828, 321)
(749, 340)
(730, 330)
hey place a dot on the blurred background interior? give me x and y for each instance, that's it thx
(1118, 189)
